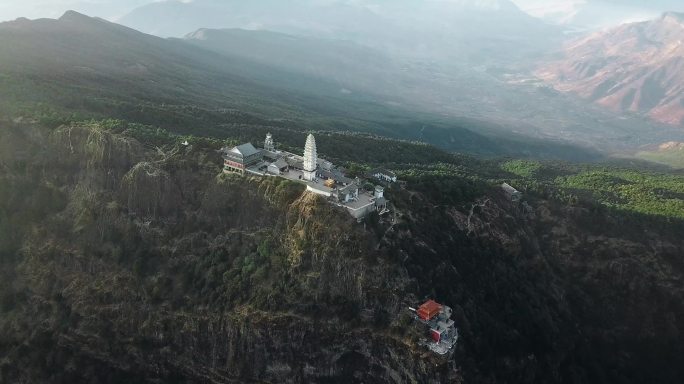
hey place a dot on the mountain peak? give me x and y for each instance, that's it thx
(78, 18)
(73, 19)
(74, 16)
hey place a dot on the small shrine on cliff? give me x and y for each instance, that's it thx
(442, 333)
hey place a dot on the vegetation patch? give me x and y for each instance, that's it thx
(522, 168)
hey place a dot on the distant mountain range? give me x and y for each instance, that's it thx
(96, 69)
(454, 58)
(497, 95)
(354, 67)
(634, 68)
(79, 60)
(434, 29)
(231, 76)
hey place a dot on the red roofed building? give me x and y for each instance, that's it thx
(429, 310)
(443, 334)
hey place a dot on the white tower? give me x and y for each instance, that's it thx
(268, 143)
(310, 159)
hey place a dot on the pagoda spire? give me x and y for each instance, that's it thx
(310, 158)
(268, 143)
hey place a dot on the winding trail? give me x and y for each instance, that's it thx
(472, 212)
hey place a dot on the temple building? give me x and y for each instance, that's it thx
(380, 200)
(278, 167)
(238, 159)
(310, 159)
(442, 331)
(511, 192)
(383, 175)
(347, 193)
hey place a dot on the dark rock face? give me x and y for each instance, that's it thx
(129, 265)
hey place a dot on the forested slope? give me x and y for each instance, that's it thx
(126, 257)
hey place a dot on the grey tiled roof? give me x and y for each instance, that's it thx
(281, 163)
(349, 188)
(335, 175)
(295, 163)
(509, 189)
(245, 150)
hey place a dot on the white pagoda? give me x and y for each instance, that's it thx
(268, 143)
(310, 159)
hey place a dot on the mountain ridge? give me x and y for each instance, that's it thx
(90, 66)
(377, 24)
(434, 87)
(635, 68)
(456, 109)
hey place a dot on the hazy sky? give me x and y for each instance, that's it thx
(111, 9)
(11, 9)
(643, 8)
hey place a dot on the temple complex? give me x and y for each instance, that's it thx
(319, 175)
